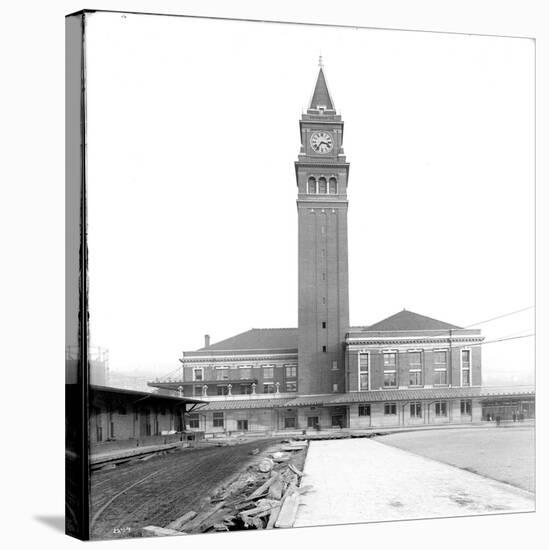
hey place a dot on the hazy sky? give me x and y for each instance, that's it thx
(193, 131)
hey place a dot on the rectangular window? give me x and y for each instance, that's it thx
(440, 377)
(194, 421)
(323, 324)
(268, 371)
(440, 357)
(441, 408)
(414, 359)
(334, 365)
(466, 407)
(246, 389)
(415, 410)
(364, 410)
(291, 371)
(415, 378)
(389, 378)
(312, 421)
(197, 391)
(218, 420)
(245, 373)
(465, 367)
(390, 408)
(290, 422)
(324, 349)
(268, 387)
(223, 389)
(335, 387)
(364, 371)
(198, 375)
(221, 373)
(389, 359)
(242, 425)
(291, 386)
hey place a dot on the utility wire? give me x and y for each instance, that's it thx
(499, 317)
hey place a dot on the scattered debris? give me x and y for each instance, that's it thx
(266, 465)
(265, 496)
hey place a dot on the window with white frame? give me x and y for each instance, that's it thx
(198, 374)
(364, 371)
(334, 365)
(389, 408)
(268, 371)
(389, 369)
(466, 406)
(291, 371)
(291, 386)
(440, 358)
(197, 391)
(415, 410)
(465, 367)
(218, 420)
(364, 410)
(440, 377)
(441, 408)
(415, 365)
(268, 387)
(335, 387)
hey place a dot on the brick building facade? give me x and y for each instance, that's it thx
(408, 369)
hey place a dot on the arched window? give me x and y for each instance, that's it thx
(333, 186)
(311, 185)
(322, 185)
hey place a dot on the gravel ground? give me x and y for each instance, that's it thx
(163, 488)
(503, 453)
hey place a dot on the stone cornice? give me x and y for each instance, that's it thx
(360, 342)
(238, 357)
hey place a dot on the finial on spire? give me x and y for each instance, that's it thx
(320, 61)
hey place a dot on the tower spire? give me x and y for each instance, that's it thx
(321, 96)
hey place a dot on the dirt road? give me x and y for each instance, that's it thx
(163, 488)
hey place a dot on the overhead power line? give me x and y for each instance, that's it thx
(500, 316)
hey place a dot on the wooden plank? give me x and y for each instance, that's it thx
(180, 521)
(155, 531)
(263, 488)
(288, 512)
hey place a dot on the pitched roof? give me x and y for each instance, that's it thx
(408, 320)
(321, 95)
(258, 339)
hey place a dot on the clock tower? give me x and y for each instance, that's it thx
(323, 317)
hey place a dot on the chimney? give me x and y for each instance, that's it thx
(206, 340)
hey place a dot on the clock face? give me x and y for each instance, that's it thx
(322, 142)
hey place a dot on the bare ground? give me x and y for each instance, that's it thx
(505, 453)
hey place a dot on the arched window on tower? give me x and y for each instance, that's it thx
(311, 186)
(322, 186)
(333, 186)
